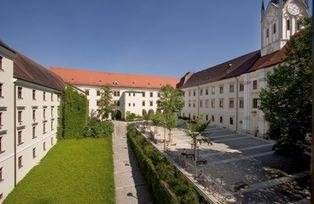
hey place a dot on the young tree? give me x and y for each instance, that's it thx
(194, 131)
(106, 106)
(287, 101)
(170, 103)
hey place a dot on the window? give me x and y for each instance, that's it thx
(34, 132)
(98, 92)
(255, 84)
(19, 138)
(213, 118)
(44, 96)
(267, 33)
(98, 103)
(213, 103)
(158, 94)
(241, 87)
(231, 88)
(51, 125)
(44, 146)
(52, 112)
(1, 63)
(34, 115)
(1, 175)
(20, 164)
(194, 93)
(221, 89)
(34, 152)
(221, 103)
(19, 92)
(151, 94)
(231, 121)
(207, 103)
(151, 103)
(87, 92)
(44, 128)
(274, 28)
(1, 89)
(0, 119)
(288, 24)
(189, 93)
(51, 141)
(201, 103)
(143, 94)
(19, 116)
(133, 94)
(143, 103)
(213, 90)
(206, 91)
(51, 96)
(118, 103)
(34, 94)
(255, 103)
(206, 117)
(129, 104)
(133, 104)
(1, 150)
(44, 113)
(116, 93)
(201, 92)
(220, 119)
(194, 103)
(241, 103)
(231, 103)
(189, 103)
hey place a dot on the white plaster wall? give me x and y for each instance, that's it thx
(28, 142)
(124, 98)
(7, 130)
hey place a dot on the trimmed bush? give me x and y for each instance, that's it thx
(97, 128)
(73, 113)
(167, 183)
(130, 117)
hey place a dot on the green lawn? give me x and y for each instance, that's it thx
(74, 171)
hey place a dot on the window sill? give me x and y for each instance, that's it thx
(20, 143)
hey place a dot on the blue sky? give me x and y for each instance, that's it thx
(159, 37)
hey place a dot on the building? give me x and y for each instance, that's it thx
(131, 93)
(227, 94)
(28, 115)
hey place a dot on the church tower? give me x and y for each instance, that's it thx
(279, 21)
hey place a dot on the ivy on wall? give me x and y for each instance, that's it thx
(73, 113)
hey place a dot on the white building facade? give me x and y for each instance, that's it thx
(227, 95)
(136, 94)
(28, 115)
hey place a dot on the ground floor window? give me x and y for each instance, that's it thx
(213, 118)
(231, 121)
(221, 120)
(20, 164)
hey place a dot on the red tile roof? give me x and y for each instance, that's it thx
(95, 78)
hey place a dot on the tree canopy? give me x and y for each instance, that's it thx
(105, 104)
(287, 100)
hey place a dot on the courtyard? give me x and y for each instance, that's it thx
(239, 167)
(74, 171)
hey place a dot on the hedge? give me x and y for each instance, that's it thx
(167, 183)
(73, 112)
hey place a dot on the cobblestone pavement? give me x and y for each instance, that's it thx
(243, 160)
(130, 186)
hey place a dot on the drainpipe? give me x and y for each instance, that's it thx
(14, 118)
(237, 103)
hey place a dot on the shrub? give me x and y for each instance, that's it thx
(167, 183)
(132, 117)
(97, 128)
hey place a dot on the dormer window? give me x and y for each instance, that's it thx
(115, 83)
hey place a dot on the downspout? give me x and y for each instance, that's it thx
(237, 103)
(14, 118)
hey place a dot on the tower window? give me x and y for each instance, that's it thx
(267, 33)
(274, 29)
(288, 24)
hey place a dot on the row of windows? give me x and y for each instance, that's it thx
(117, 93)
(221, 103)
(288, 27)
(151, 103)
(231, 120)
(20, 132)
(20, 94)
(19, 115)
(221, 89)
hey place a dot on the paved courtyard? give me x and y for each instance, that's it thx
(242, 166)
(130, 186)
